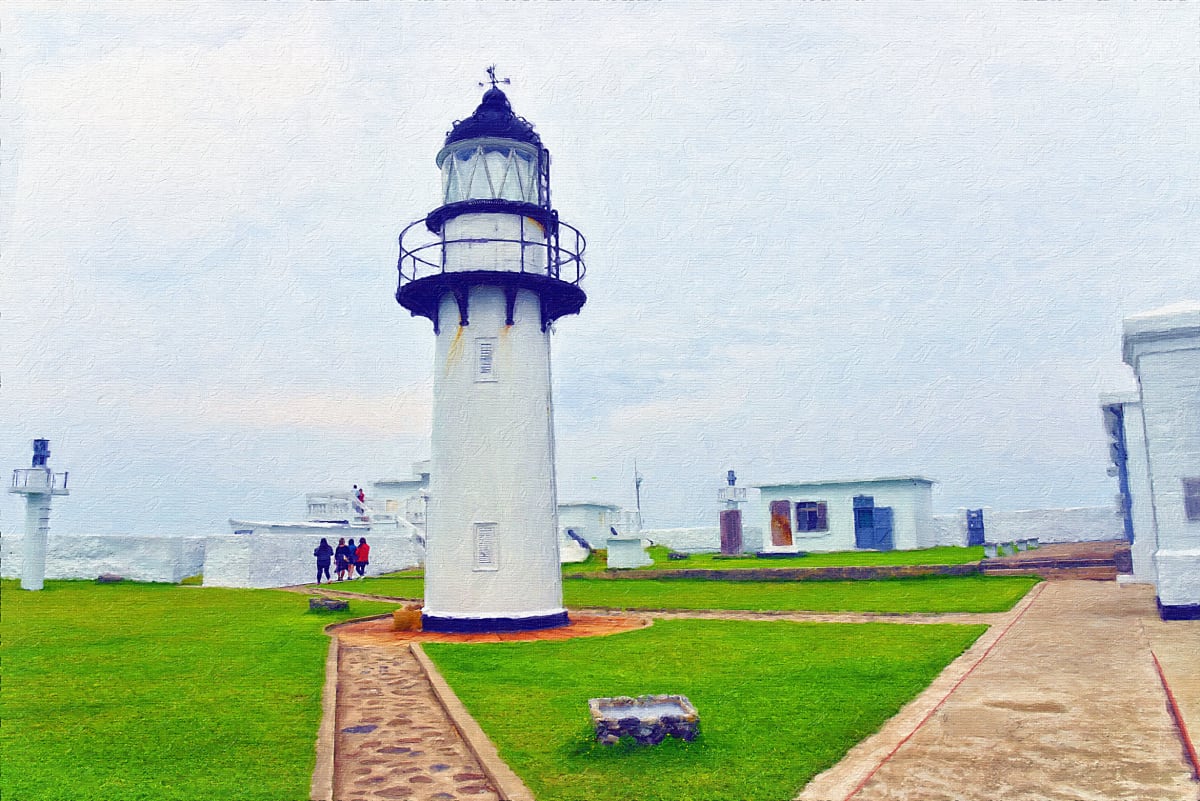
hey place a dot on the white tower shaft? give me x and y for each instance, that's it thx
(37, 532)
(492, 527)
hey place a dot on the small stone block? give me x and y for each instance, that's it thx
(677, 555)
(108, 578)
(327, 604)
(648, 719)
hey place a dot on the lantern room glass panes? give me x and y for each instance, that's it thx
(490, 171)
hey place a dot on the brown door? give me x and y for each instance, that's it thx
(781, 523)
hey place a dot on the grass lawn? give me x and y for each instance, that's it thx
(893, 596)
(779, 702)
(945, 555)
(156, 691)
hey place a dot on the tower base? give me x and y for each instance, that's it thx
(492, 625)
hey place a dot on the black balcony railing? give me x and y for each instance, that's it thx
(423, 254)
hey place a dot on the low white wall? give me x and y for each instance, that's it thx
(703, 539)
(1078, 524)
(282, 560)
(166, 559)
(950, 529)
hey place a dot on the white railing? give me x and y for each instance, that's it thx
(735, 494)
(38, 479)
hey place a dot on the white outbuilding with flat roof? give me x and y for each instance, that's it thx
(883, 514)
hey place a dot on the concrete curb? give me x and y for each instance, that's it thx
(508, 785)
(832, 573)
(322, 780)
(1189, 748)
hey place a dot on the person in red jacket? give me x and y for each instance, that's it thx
(362, 555)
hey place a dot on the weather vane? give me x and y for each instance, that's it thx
(492, 79)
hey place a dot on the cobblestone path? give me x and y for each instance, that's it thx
(393, 739)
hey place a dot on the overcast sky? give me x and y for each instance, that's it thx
(826, 240)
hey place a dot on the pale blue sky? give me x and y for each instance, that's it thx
(826, 240)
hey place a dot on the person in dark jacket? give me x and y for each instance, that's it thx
(323, 553)
(341, 558)
(361, 556)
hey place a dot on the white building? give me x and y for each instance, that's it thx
(492, 268)
(1163, 348)
(876, 514)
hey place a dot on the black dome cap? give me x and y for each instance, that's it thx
(494, 118)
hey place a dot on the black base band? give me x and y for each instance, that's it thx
(492, 625)
(1185, 612)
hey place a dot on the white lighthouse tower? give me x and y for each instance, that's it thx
(492, 268)
(38, 484)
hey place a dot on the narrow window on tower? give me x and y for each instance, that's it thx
(485, 359)
(1191, 498)
(485, 546)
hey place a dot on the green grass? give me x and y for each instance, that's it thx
(944, 555)
(779, 702)
(155, 691)
(928, 594)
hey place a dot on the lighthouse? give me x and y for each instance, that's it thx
(39, 484)
(492, 268)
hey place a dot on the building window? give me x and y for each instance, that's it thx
(1191, 498)
(810, 516)
(485, 359)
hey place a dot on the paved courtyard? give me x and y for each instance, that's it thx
(1065, 698)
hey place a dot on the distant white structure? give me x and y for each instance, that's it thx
(39, 484)
(875, 514)
(594, 522)
(492, 268)
(1163, 348)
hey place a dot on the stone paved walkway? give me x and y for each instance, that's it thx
(393, 740)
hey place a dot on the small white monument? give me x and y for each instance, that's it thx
(38, 484)
(1163, 348)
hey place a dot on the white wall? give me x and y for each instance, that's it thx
(166, 559)
(702, 539)
(1078, 524)
(281, 560)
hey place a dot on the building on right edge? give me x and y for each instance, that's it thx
(1163, 348)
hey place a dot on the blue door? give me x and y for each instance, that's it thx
(883, 529)
(975, 527)
(864, 521)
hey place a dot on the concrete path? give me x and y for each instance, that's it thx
(1065, 704)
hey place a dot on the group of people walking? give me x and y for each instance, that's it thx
(349, 559)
